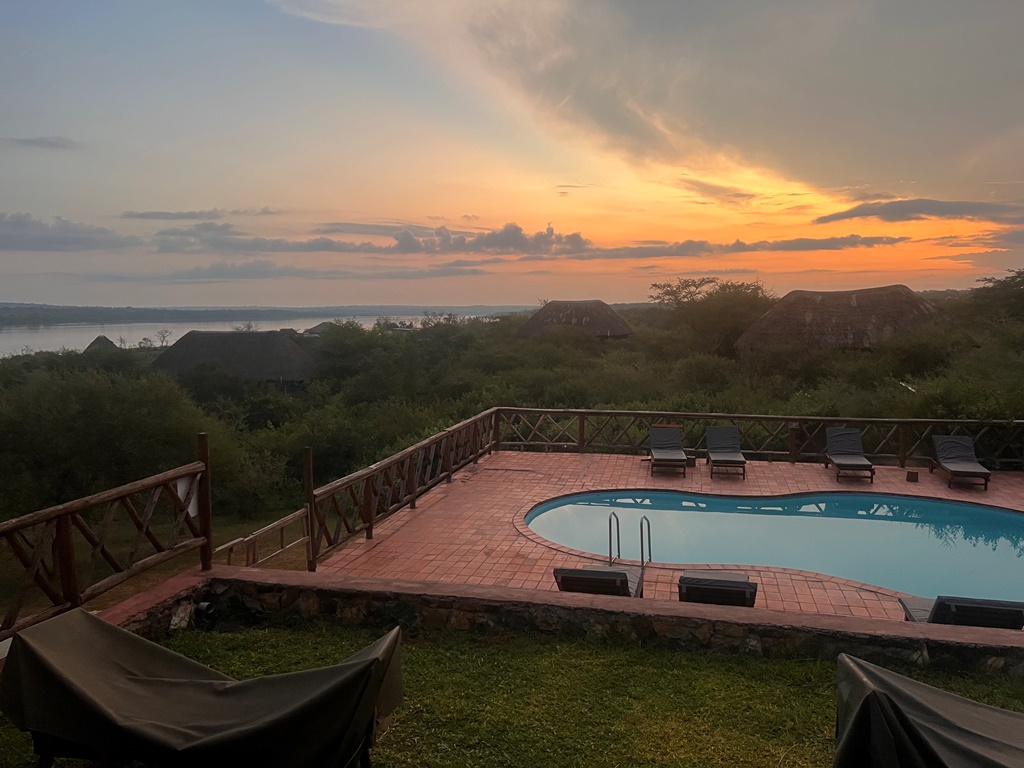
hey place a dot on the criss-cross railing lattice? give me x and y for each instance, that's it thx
(74, 552)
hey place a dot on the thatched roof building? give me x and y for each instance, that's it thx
(594, 317)
(100, 344)
(248, 355)
(859, 319)
(320, 328)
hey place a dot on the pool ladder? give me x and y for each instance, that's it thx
(613, 528)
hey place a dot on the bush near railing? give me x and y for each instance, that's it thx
(64, 556)
(342, 509)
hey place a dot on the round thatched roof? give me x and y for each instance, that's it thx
(250, 355)
(859, 319)
(101, 342)
(594, 316)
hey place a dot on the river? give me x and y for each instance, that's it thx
(15, 340)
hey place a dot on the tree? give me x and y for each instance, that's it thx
(1002, 295)
(163, 335)
(718, 311)
(682, 292)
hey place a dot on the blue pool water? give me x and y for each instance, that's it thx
(921, 546)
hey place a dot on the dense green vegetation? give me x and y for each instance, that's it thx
(75, 423)
(541, 701)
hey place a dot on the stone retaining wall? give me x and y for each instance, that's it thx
(250, 602)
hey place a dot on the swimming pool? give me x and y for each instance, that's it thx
(907, 543)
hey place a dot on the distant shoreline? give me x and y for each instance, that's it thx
(38, 315)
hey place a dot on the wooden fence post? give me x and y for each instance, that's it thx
(205, 503)
(903, 445)
(495, 433)
(68, 567)
(794, 441)
(581, 432)
(369, 502)
(449, 458)
(313, 544)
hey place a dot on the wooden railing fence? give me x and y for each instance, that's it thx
(69, 554)
(336, 512)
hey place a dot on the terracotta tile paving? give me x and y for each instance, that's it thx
(471, 531)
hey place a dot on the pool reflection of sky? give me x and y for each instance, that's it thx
(921, 546)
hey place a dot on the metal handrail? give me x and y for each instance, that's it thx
(644, 559)
(618, 538)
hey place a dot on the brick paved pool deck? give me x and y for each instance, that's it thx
(472, 530)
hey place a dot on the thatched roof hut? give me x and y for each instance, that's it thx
(320, 328)
(595, 317)
(248, 355)
(100, 344)
(859, 319)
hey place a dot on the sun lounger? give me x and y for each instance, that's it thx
(954, 454)
(885, 720)
(964, 611)
(844, 449)
(85, 688)
(724, 450)
(666, 449)
(623, 580)
(717, 588)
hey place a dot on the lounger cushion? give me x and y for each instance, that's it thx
(596, 580)
(844, 461)
(717, 587)
(977, 612)
(956, 455)
(727, 459)
(843, 441)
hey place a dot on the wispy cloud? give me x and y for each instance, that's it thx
(41, 142)
(718, 192)
(265, 269)
(22, 232)
(922, 208)
(223, 237)
(210, 213)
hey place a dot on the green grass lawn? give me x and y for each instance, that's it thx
(531, 700)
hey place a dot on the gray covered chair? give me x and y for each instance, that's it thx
(724, 452)
(964, 611)
(954, 454)
(844, 449)
(85, 688)
(886, 720)
(666, 448)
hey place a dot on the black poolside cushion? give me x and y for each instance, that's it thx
(717, 588)
(593, 580)
(975, 612)
(956, 455)
(843, 445)
(724, 446)
(666, 447)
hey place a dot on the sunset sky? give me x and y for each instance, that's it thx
(329, 152)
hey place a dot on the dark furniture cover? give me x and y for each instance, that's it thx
(626, 581)
(717, 588)
(964, 611)
(724, 449)
(885, 720)
(955, 455)
(84, 687)
(845, 450)
(666, 448)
